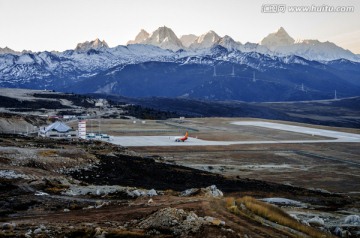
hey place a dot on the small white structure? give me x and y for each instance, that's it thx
(97, 136)
(82, 129)
(67, 117)
(56, 130)
(101, 103)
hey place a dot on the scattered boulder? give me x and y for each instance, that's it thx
(338, 231)
(211, 191)
(135, 193)
(189, 192)
(152, 192)
(88, 207)
(316, 221)
(99, 233)
(39, 230)
(352, 220)
(28, 234)
(342, 233)
(214, 221)
(177, 222)
(8, 226)
(104, 190)
(100, 204)
(39, 193)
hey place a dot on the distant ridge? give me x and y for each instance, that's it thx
(95, 44)
(278, 43)
(212, 67)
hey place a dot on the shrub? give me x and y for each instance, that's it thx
(275, 214)
(230, 201)
(48, 153)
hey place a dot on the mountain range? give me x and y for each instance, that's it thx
(204, 67)
(279, 43)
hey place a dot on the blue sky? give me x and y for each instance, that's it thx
(60, 24)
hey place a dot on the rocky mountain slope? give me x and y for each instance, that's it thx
(220, 74)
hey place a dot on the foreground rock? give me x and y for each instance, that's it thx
(105, 190)
(177, 222)
(211, 191)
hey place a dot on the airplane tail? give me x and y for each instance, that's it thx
(183, 139)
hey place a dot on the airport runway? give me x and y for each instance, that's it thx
(131, 141)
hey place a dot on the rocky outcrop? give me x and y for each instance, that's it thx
(177, 222)
(211, 191)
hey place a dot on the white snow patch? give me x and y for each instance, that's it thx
(107, 189)
(11, 174)
(266, 166)
(152, 192)
(213, 191)
(284, 201)
(316, 221)
(25, 59)
(189, 192)
(352, 219)
(107, 88)
(39, 193)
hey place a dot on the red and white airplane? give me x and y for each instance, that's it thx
(182, 139)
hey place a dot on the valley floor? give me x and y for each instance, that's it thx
(78, 188)
(328, 137)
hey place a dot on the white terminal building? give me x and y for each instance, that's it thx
(57, 130)
(61, 130)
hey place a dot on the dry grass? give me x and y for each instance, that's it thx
(55, 190)
(171, 192)
(48, 153)
(122, 233)
(274, 214)
(230, 201)
(55, 187)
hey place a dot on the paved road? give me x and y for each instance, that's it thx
(338, 136)
(130, 141)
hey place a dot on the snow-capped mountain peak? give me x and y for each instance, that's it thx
(275, 44)
(95, 44)
(140, 38)
(165, 38)
(279, 43)
(206, 40)
(187, 40)
(316, 50)
(277, 39)
(229, 43)
(7, 50)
